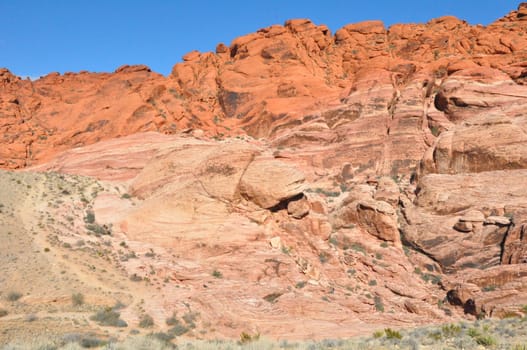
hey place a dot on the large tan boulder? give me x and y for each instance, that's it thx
(378, 218)
(267, 182)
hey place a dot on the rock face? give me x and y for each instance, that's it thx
(372, 97)
(349, 164)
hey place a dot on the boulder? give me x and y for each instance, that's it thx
(267, 182)
(378, 218)
(498, 220)
(298, 208)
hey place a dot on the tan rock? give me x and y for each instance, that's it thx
(472, 216)
(497, 220)
(464, 226)
(298, 208)
(267, 182)
(276, 242)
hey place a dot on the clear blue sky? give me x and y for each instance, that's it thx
(42, 36)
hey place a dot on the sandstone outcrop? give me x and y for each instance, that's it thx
(361, 177)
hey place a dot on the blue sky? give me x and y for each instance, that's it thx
(42, 36)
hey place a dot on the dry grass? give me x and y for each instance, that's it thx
(486, 334)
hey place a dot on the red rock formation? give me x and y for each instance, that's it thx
(364, 95)
(414, 134)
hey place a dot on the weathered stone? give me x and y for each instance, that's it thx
(267, 182)
(463, 226)
(298, 208)
(497, 220)
(472, 216)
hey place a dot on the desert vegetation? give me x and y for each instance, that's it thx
(509, 333)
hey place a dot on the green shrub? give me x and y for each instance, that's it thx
(451, 330)
(273, 297)
(135, 278)
(77, 299)
(473, 333)
(172, 320)
(358, 248)
(378, 334)
(190, 319)
(14, 296)
(392, 334)
(178, 330)
(109, 317)
(246, 338)
(98, 229)
(324, 257)
(91, 342)
(146, 321)
(300, 285)
(163, 337)
(485, 340)
(90, 217)
(379, 306)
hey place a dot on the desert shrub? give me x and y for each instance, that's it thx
(392, 334)
(3, 312)
(91, 341)
(14, 296)
(172, 320)
(77, 299)
(473, 333)
(154, 341)
(378, 334)
(300, 285)
(178, 330)
(379, 306)
(324, 257)
(190, 319)
(146, 321)
(109, 317)
(248, 338)
(135, 278)
(99, 229)
(217, 274)
(485, 340)
(450, 330)
(90, 217)
(358, 248)
(162, 336)
(31, 318)
(273, 297)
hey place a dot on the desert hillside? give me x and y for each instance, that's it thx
(297, 183)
